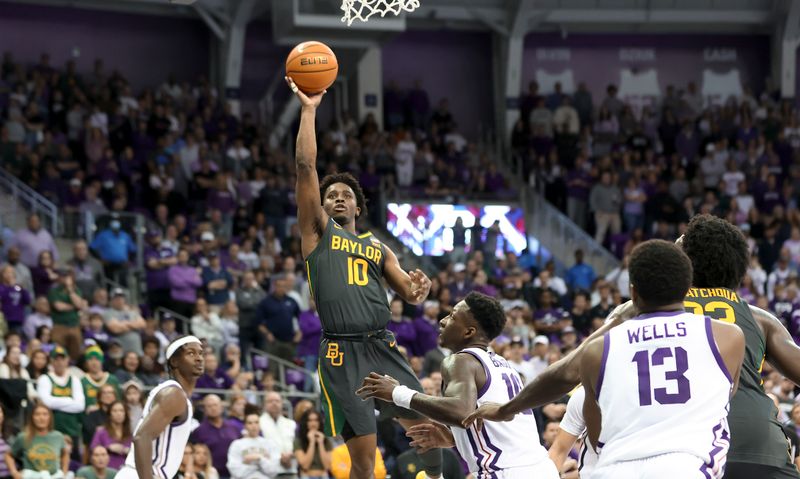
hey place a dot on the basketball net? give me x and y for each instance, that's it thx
(363, 9)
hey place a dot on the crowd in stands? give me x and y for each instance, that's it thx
(222, 249)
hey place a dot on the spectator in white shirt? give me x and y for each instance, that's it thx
(281, 429)
(515, 356)
(538, 361)
(404, 153)
(253, 456)
(733, 178)
(565, 118)
(780, 275)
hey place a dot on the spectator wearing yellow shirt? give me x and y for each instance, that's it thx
(340, 463)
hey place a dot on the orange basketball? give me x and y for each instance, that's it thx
(312, 66)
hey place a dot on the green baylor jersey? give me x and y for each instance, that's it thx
(345, 273)
(756, 434)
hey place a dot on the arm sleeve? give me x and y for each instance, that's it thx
(45, 389)
(99, 439)
(174, 278)
(573, 422)
(236, 465)
(54, 250)
(270, 465)
(78, 403)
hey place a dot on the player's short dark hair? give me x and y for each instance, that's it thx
(718, 251)
(349, 180)
(661, 272)
(488, 312)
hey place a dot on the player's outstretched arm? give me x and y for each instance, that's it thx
(782, 352)
(590, 372)
(169, 404)
(554, 382)
(412, 286)
(310, 215)
(730, 341)
(459, 371)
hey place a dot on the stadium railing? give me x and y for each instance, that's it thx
(281, 365)
(561, 236)
(26, 200)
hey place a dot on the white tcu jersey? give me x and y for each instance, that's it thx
(664, 388)
(169, 445)
(499, 445)
(574, 424)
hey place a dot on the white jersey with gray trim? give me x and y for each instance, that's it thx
(573, 423)
(664, 388)
(168, 447)
(499, 445)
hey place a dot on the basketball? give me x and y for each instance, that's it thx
(312, 66)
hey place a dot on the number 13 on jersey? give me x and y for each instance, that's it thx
(357, 271)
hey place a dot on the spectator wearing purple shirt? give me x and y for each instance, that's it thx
(794, 326)
(216, 432)
(427, 328)
(214, 377)
(158, 259)
(32, 240)
(461, 286)
(13, 298)
(184, 280)
(494, 179)
(40, 317)
(549, 319)
(480, 284)
(404, 332)
(308, 347)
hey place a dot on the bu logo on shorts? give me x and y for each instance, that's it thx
(334, 354)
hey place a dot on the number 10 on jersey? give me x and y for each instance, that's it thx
(357, 271)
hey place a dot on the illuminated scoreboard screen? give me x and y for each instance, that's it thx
(427, 229)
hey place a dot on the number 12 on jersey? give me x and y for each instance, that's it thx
(644, 361)
(357, 271)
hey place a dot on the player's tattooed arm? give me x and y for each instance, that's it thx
(590, 371)
(412, 286)
(169, 404)
(461, 374)
(310, 215)
(781, 350)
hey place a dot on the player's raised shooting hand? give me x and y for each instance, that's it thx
(310, 101)
(420, 285)
(377, 386)
(488, 412)
(427, 436)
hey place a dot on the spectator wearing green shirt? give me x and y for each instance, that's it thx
(39, 447)
(96, 378)
(63, 394)
(66, 303)
(99, 466)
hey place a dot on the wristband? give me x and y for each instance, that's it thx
(401, 396)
